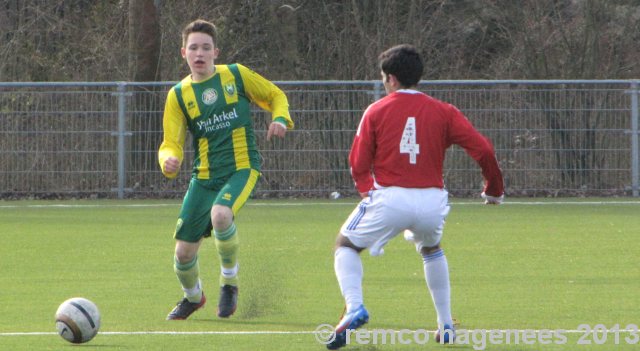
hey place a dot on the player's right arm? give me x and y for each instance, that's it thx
(362, 153)
(174, 125)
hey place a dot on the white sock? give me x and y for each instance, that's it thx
(229, 272)
(195, 291)
(436, 273)
(348, 267)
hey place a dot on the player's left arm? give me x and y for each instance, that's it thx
(270, 98)
(481, 149)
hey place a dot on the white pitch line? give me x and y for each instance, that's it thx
(479, 202)
(88, 205)
(275, 204)
(257, 332)
(285, 332)
(538, 203)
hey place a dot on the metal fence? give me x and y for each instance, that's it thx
(552, 138)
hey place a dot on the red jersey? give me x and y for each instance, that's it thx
(402, 139)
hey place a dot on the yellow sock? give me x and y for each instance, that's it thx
(227, 243)
(188, 275)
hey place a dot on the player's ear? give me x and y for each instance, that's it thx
(385, 77)
(391, 79)
(183, 53)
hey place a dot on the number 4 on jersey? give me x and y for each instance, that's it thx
(408, 143)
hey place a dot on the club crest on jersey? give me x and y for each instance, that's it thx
(209, 96)
(230, 89)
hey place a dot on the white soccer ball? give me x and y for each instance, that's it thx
(78, 320)
(335, 195)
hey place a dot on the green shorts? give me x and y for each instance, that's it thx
(194, 221)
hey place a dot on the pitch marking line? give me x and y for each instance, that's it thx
(479, 202)
(258, 332)
(284, 332)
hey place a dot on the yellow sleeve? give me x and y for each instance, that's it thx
(266, 95)
(174, 126)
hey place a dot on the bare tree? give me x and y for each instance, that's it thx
(144, 40)
(580, 39)
(144, 65)
(283, 60)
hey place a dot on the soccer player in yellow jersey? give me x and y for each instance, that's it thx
(213, 104)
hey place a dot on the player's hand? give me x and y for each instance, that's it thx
(492, 200)
(171, 165)
(276, 128)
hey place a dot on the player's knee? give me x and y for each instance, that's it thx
(221, 217)
(184, 256)
(429, 250)
(185, 251)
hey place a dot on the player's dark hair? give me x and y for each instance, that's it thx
(404, 62)
(199, 26)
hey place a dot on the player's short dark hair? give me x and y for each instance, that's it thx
(199, 26)
(404, 62)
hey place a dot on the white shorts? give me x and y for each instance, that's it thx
(387, 212)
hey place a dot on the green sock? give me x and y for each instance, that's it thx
(188, 275)
(227, 243)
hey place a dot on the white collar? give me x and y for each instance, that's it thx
(408, 91)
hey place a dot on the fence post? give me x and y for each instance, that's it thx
(377, 90)
(635, 150)
(121, 134)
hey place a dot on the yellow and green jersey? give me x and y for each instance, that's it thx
(217, 113)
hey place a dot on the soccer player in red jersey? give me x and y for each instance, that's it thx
(396, 163)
